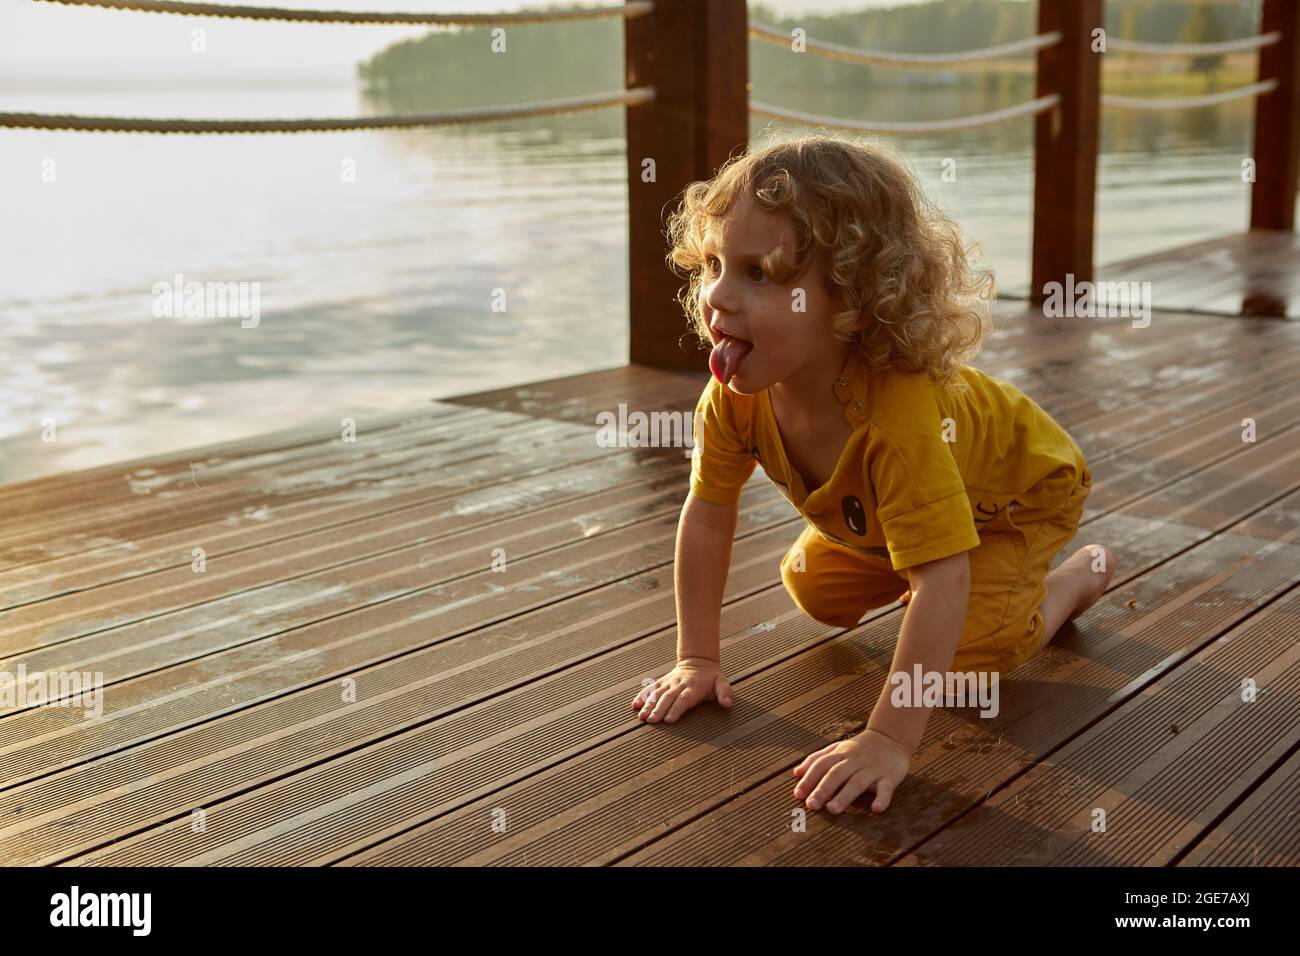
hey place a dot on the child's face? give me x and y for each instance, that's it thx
(793, 349)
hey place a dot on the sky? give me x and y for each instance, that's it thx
(49, 44)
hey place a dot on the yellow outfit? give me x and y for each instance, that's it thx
(929, 472)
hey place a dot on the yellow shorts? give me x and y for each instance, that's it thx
(1004, 621)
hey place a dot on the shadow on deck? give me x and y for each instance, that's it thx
(349, 681)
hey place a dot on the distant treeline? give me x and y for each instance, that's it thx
(457, 68)
(946, 26)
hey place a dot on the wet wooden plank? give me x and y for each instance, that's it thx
(473, 761)
(1253, 273)
(269, 506)
(473, 675)
(557, 393)
(1263, 830)
(469, 690)
(1146, 782)
(304, 469)
(717, 790)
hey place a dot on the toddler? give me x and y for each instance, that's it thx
(841, 309)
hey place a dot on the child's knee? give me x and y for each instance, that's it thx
(810, 599)
(795, 577)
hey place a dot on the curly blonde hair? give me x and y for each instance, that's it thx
(889, 254)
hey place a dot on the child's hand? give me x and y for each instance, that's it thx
(851, 767)
(693, 679)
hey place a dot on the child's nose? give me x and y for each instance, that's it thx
(717, 303)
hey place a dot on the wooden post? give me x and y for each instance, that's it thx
(1277, 121)
(1065, 145)
(695, 55)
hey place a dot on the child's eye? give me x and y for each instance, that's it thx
(755, 272)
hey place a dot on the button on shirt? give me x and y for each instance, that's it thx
(927, 469)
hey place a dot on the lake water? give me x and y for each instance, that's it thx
(375, 295)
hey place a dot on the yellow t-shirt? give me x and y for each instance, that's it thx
(926, 469)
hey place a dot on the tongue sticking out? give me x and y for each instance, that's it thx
(726, 356)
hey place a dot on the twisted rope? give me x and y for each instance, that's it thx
(634, 9)
(1193, 49)
(920, 61)
(110, 124)
(1187, 102)
(932, 126)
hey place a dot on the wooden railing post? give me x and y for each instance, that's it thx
(1277, 121)
(1065, 145)
(695, 55)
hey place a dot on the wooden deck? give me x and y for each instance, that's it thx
(1247, 273)
(484, 695)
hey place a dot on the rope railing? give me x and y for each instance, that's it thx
(636, 9)
(1188, 102)
(1193, 49)
(624, 98)
(893, 129)
(109, 124)
(906, 61)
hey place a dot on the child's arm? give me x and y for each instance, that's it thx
(704, 536)
(932, 627)
(705, 533)
(879, 757)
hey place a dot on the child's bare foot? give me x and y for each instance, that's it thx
(1075, 586)
(1078, 583)
(1095, 564)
